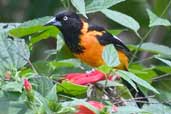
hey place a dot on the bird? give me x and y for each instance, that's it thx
(87, 41)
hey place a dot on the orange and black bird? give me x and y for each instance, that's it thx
(87, 41)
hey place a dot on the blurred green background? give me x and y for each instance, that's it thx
(23, 10)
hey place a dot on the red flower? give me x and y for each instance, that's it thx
(27, 85)
(84, 110)
(85, 78)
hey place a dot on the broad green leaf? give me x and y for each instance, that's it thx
(72, 89)
(21, 32)
(143, 72)
(153, 48)
(164, 60)
(50, 31)
(60, 42)
(98, 5)
(8, 26)
(43, 68)
(128, 79)
(128, 110)
(52, 95)
(35, 22)
(66, 63)
(53, 100)
(156, 48)
(122, 19)
(37, 32)
(156, 21)
(137, 80)
(13, 107)
(115, 32)
(42, 104)
(12, 87)
(41, 84)
(110, 56)
(35, 29)
(164, 69)
(14, 53)
(108, 83)
(105, 69)
(155, 107)
(64, 53)
(80, 6)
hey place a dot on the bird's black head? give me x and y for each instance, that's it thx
(66, 21)
(70, 24)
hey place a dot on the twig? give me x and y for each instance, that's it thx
(161, 76)
(32, 66)
(146, 59)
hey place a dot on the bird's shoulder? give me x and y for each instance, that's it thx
(106, 38)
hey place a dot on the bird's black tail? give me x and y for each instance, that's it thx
(139, 96)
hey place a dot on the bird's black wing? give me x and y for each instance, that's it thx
(108, 38)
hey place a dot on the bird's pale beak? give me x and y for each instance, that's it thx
(54, 22)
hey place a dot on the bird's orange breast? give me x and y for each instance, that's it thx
(92, 54)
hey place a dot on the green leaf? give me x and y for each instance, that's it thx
(5, 27)
(12, 87)
(53, 100)
(122, 19)
(110, 56)
(128, 79)
(80, 6)
(37, 32)
(115, 32)
(60, 42)
(156, 21)
(30, 27)
(66, 63)
(35, 29)
(45, 33)
(43, 68)
(98, 5)
(52, 95)
(108, 83)
(14, 53)
(72, 89)
(21, 32)
(164, 60)
(156, 48)
(128, 110)
(35, 22)
(155, 107)
(137, 80)
(64, 53)
(143, 72)
(41, 84)
(105, 69)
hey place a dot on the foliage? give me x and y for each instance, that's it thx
(51, 92)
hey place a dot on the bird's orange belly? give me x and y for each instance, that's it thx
(92, 54)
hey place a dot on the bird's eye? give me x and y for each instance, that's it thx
(65, 18)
